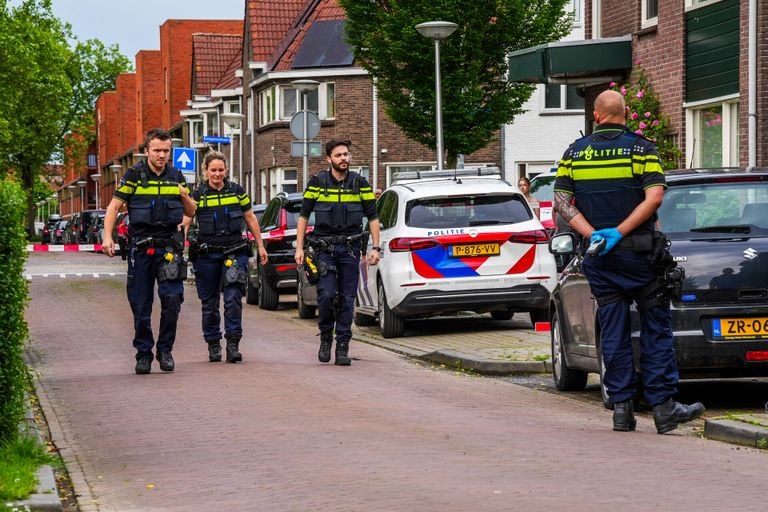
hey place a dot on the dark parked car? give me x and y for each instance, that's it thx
(49, 228)
(80, 224)
(57, 236)
(717, 220)
(278, 230)
(71, 234)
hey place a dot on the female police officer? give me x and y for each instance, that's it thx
(221, 253)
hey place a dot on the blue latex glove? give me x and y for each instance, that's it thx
(611, 236)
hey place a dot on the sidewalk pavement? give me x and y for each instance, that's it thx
(513, 347)
(491, 348)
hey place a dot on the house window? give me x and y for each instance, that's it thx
(287, 101)
(196, 128)
(650, 13)
(211, 122)
(562, 98)
(250, 113)
(283, 180)
(713, 139)
(574, 6)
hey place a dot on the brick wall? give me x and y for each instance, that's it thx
(149, 93)
(762, 88)
(107, 129)
(126, 112)
(176, 61)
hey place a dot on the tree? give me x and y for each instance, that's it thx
(477, 98)
(47, 90)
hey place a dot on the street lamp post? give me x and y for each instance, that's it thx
(305, 87)
(81, 184)
(95, 177)
(437, 30)
(55, 197)
(233, 120)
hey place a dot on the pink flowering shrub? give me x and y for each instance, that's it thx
(646, 117)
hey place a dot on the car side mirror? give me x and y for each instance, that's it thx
(563, 243)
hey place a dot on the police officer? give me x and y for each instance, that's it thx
(220, 255)
(339, 197)
(157, 198)
(609, 185)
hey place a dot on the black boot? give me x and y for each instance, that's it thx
(342, 347)
(166, 361)
(143, 363)
(214, 350)
(324, 354)
(624, 416)
(233, 349)
(670, 414)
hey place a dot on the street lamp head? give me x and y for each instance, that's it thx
(95, 176)
(81, 183)
(176, 142)
(233, 119)
(305, 85)
(436, 29)
(115, 168)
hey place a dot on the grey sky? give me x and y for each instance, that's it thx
(135, 24)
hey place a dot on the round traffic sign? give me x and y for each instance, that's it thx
(297, 125)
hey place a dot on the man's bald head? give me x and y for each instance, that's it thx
(610, 108)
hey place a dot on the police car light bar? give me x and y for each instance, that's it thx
(467, 172)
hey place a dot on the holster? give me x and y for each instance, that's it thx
(173, 270)
(233, 274)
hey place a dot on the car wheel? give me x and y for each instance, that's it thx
(502, 315)
(305, 311)
(391, 325)
(566, 379)
(363, 320)
(607, 400)
(251, 292)
(268, 298)
(539, 315)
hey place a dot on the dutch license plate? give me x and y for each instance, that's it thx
(740, 328)
(462, 251)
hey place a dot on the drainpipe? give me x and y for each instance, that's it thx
(375, 148)
(752, 116)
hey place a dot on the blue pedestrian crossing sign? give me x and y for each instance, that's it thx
(184, 159)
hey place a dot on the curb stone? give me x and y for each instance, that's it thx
(752, 431)
(46, 499)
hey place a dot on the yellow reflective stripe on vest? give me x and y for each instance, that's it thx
(339, 198)
(153, 190)
(215, 200)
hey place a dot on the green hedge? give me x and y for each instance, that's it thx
(13, 302)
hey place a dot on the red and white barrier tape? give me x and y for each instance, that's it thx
(63, 248)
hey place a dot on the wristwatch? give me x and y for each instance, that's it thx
(376, 248)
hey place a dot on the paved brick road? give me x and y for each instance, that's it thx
(281, 432)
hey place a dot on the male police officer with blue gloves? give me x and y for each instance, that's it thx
(339, 197)
(609, 185)
(157, 198)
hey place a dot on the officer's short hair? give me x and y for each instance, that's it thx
(156, 133)
(336, 142)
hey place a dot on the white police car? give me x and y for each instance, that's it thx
(455, 241)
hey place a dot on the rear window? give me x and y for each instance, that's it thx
(713, 207)
(292, 211)
(467, 211)
(543, 187)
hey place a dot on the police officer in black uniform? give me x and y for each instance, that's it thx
(220, 255)
(609, 185)
(340, 198)
(157, 198)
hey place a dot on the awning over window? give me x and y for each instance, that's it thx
(586, 62)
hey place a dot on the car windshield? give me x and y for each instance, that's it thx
(712, 210)
(543, 187)
(467, 211)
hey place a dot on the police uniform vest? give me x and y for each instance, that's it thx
(154, 202)
(607, 168)
(219, 214)
(338, 207)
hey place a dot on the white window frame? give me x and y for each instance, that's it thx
(563, 96)
(250, 114)
(695, 4)
(645, 21)
(597, 29)
(730, 139)
(575, 7)
(326, 102)
(278, 180)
